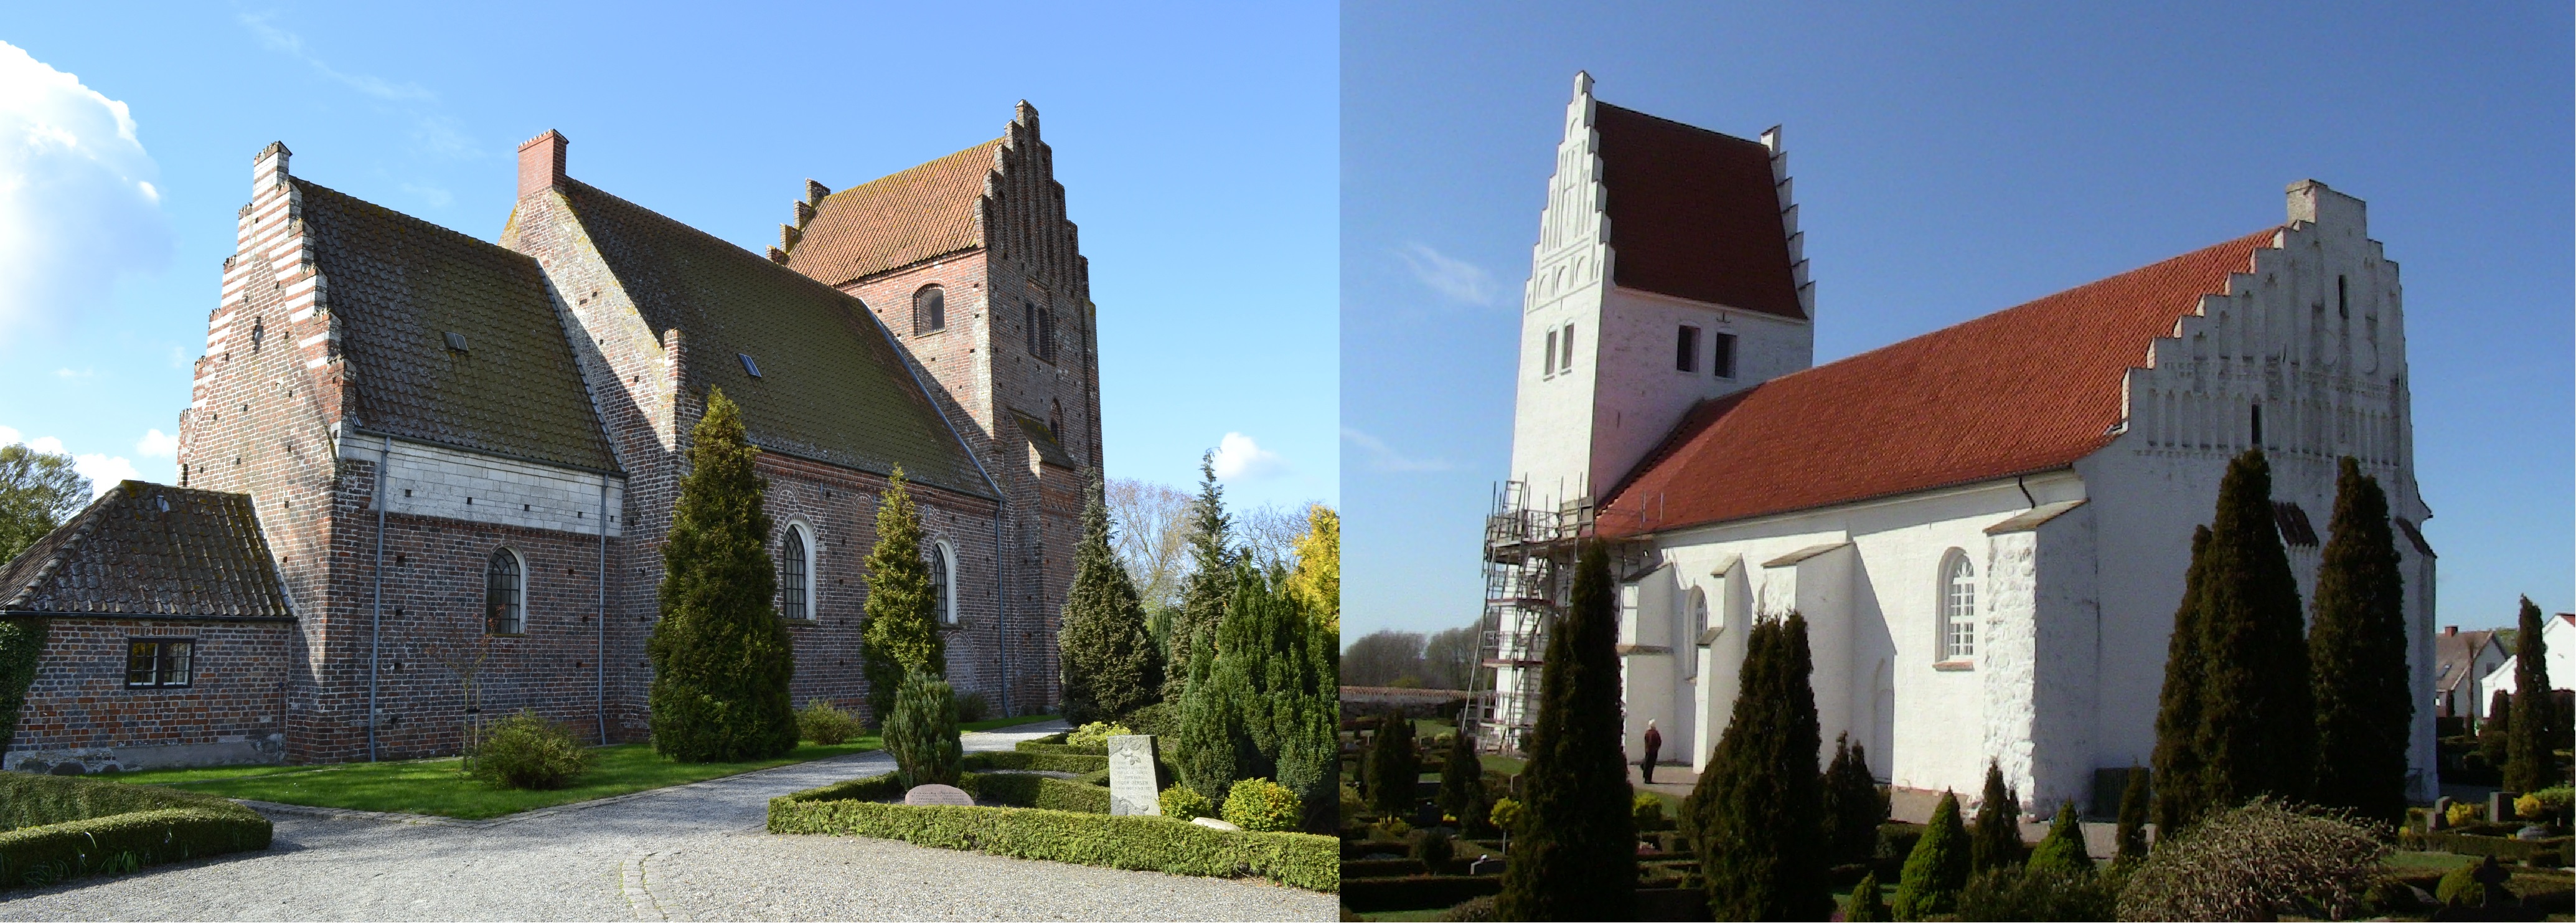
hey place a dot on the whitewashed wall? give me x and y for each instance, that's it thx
(435, 480)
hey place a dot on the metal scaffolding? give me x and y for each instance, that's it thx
(1525, 540)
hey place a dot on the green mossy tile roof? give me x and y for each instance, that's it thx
(150, 549)
(832, 387)
(399, 286)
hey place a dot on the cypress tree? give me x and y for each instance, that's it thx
(1866, 905)
(2062, 850)
(1110, 665)
(1759, 811)
(1854, 807)
(901, 634)
(1206, 751)
(1462, 779)
(721, 658)
(2177, 758)
(2258, 716)
(1937, 868)
(1576, 858)
(2530, 764)
(2132, 832)
(2495, 734)
(1995, 842)
(2358, 652)
(1394, 770)
(1211, 582)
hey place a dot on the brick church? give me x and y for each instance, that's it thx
(412, 455)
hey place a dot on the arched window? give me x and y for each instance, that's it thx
(1958, 607)
(1055, 419)
(795, 561)
(1697, 625)
(943, 582)
(505, 594)
(929, 310)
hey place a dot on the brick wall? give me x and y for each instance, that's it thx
(79, 698)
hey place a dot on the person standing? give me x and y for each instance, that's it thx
(1654, 743)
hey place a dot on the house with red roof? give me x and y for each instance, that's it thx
(1986, 526)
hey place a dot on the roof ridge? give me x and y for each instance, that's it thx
(918, 167)
(79, 526)
(412, 218)
(768, 264)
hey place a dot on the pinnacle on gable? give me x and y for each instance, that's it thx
(815, 192)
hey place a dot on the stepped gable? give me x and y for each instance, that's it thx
(150, 549)
(2026, 389)
(1694, 214)
(398, 285)
(897, 220)
(832, 387)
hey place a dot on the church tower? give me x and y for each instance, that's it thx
(1668, 271)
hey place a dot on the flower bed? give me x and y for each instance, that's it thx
(67, 827)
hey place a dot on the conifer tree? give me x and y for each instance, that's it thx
(1995, 841)
(1854, 807)
(2132, 831)
(1758, 812)
(1462, 778)
(2530, 764)
(1262, 700)
(721, 658)
(1394, 770)
(1576, 857)
(2062, 850)
(2495, 733)
(1211, 581)
(1866, 905)
(2258, 715)
(902, 629)
(1110, 664)
(2358, 651)
(2178, 794)
(1937, 868)
(921, 731)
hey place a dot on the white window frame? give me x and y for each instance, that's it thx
(1955, 608)
(804, 534)
(943, 563)
(1695, 622)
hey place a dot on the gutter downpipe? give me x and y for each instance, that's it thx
(1001, 586)
(376, 615)
(601, 655)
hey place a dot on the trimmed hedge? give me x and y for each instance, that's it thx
(1098, 777)
(1382, 868)
(1016, 790)
(67, 827)
(1143, 843)
(1416, 892)
(1032, 746)
(2556, 850)
(1042, 762)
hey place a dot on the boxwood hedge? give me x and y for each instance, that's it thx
(1035, 760)
(66, 827)
(1127, 842)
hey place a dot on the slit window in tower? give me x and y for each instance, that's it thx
(1547, 357)
(2258, 426)
(1565, 359)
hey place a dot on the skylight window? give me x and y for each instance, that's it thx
(748, 365)
(456, 341)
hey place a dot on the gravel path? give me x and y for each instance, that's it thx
(688, 852)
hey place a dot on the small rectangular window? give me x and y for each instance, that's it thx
(749, 366)
(2258, 426)
(1686, 349)
(1723, 364)
(159, 663)
(1547, 357)
(1565, 359)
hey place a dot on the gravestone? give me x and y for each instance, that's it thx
(2500, 806)
(1132, 782)
(1485, 865)
(2440, 818)
(938, 794)
(1215, 824)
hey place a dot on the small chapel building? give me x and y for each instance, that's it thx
(1986, 526)
(457, 458)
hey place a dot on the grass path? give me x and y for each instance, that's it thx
(436, 787)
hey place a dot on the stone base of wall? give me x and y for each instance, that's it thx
(94, 760)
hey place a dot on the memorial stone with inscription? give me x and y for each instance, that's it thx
(1132, 782)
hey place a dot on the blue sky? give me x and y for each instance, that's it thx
(1196, 144)
(1951, 162)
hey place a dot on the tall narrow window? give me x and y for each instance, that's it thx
(1046, 334)
(791, 576)
(1029, 325)
(929, 310)
(1565, 359)
(505, 608)
(1547, 357)
(1723, 364)
(2343, 307)
(1697, 626)
(1686, 349)
(1958, 607)
(2258, 426)
(942, 583)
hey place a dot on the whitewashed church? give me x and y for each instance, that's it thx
(1986, 526)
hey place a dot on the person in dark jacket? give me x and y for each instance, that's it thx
(1654, 744)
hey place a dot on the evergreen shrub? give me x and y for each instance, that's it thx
(1434, 850)
(1854, 806)
(921, 734)
(2531, 760)
(2131, 834)
(1153, 844)
(1576, 856)
(1647, 809)
(2036, 893)
(2258, 861)
(1394, 767)
(2460, 888)
(1181, 802)
(1866, 905)
(1110, 662)
(2062, 850)
(1462, 780)
(973, 706)
(1995, 840)
(1937, 869)
(1034, 761)
(1096, 734)
(58, 828)
(1471, 910)
(821, 723)
(1260, 804)
(721, 658)
(901, 633)
(1757, 816)
(528, 751)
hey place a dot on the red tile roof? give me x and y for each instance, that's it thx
(1694, 213)
(896, 220)
(2026, 389)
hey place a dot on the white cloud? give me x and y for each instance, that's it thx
(1384, 457)
(157, 443)
(1237, 456)
(1455, 279)
(77, 207)
(293, 45)
(431, 130)
(67, 373)
(103, 471)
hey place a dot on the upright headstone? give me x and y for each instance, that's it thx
(1133, 786)
(2500, 806)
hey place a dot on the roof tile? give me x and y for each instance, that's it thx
(896, 220)
(150, 549)
(1694, 214)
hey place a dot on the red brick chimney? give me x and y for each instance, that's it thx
(541, 162)
(2450, 631)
